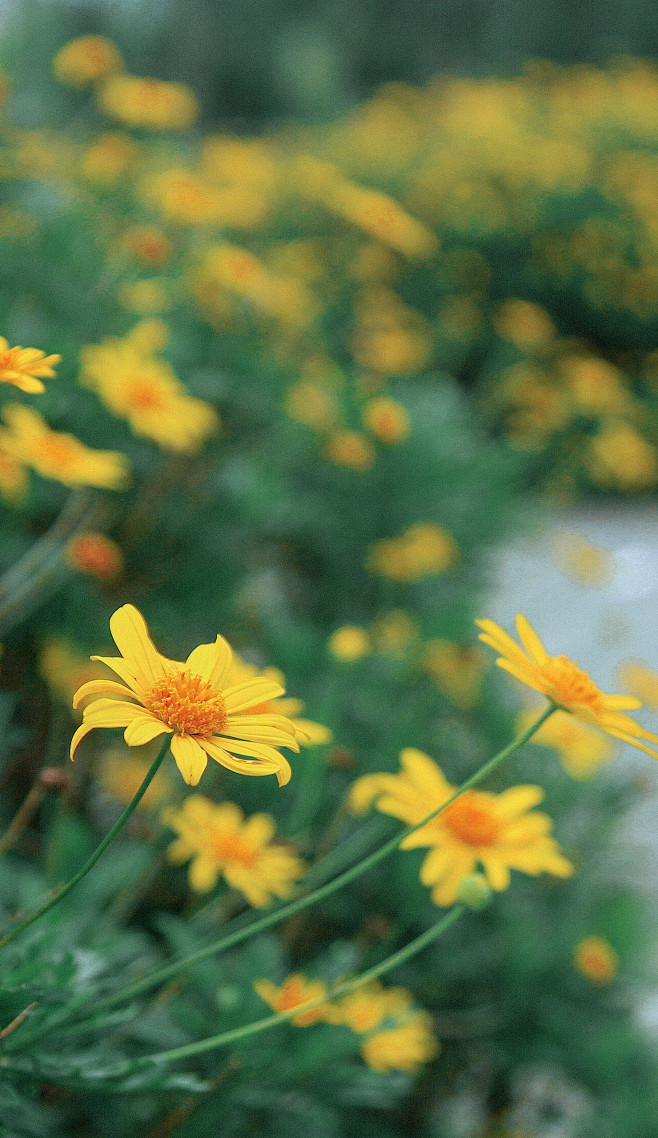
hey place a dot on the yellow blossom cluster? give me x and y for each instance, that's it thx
(423, 550)
(396, 1035)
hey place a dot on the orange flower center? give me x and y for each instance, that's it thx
(143, 396)
(57, 451)
(188, 703)
(471, 820)
(231, 847)
(569, 686)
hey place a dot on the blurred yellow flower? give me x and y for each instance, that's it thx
(146, 297)
(421, 551)
(60, 456)
(640, 680)
(406, 1046)
(596, 960)
(65, 668)
(380, 216)
(526, 325)
(394, 632)
(619, 458)
(581, 561)
(349, 643)
(398, 1037)
(152, 104)
(25, 367)
(562, 681)
(295, 991)
(350, 449)
(120, 774)
(222, 843)
(456, 669)
(496, 831)
(148, 244)
(136, 385)
(95, 554)
(581, 749)
(313, 404)
(86, 59)
(189, 701)
(596, 386)
(108, 159)
(387, 420)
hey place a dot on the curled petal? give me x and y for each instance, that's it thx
(95, 687)
(79, 735)
(277, 765)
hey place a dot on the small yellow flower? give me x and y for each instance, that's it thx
(152, 104)
(25, 367)
(349, 643)
(620, 458)
(86, 59)
(423, 550)
(525, 325)
(222, 843)
(295, 991)
(387, 420)
(596, 960)
(562, 681)
(60, 456)
(406, 1046)
(188, 701)
(148, 244)
(95, 554)
(144, 389)
(350, 449)
(496, 831)
(580, 748)
(108, 159)
(313, 404)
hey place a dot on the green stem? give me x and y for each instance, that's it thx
(323, 891)
(253, 1028)
(63, 890)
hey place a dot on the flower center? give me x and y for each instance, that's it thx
(143, 396)
(229, 847)
(188, 703)
(471, 820)
(569, 686)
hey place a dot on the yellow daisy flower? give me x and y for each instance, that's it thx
(562, 681)
(25, 367)
(295, 991)
(188, 701)
(479, 828)
(222, 843)
(596, 960)
(60, 456)
(405, 1046)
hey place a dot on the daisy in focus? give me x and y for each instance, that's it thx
(563, 681)
(25, 367)
(190, 701)
(496, 831)
(223, 843)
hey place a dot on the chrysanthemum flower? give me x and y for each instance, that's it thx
(564, 682)
(405, 1046)
(295, 991)
(596, 960)
(496, 831)
(25, 367)
(86, 59)
(60, 456)
(223, 843)
(189, 701)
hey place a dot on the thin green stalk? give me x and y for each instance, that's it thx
(323, 891)
(63, 890)
(258, 1025)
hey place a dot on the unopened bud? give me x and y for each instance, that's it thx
(54, 779)
(474, 891)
